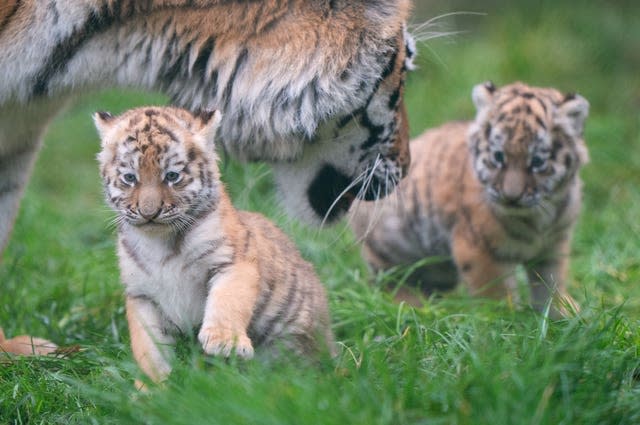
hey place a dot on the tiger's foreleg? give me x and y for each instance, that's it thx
(151, 345)
(21, 133)
(228, 311)
(15, 168)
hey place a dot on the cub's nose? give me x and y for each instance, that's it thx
(149, 212)
(513, 186)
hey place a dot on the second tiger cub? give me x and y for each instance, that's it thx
(489, 194)
(188, 259)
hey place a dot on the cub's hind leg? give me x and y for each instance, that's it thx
(152, 347)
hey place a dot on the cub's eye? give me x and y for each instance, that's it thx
(537, 162)
(129, 178)
(498, 157)
(172, 176)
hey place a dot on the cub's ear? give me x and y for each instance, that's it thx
(482, 94)
(572, 113)
(103, 122)
(207, 125)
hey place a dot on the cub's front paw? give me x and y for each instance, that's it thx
(221, 341)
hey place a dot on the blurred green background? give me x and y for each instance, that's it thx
(456, 360)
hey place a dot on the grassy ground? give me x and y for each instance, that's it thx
(455, 361)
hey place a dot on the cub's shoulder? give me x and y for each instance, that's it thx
(445, 132)
(261, 228)
(450, 135)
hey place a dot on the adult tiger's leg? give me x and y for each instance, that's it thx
(21, 132)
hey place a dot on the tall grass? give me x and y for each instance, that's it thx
(456, 360)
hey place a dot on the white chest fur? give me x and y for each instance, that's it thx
(173, 275)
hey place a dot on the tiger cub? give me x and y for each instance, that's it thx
(188, 259)
(487, 196)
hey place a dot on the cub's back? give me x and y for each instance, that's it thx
(292, 299)
(413, 222)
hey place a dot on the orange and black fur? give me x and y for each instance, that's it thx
(490, 194)
(314, 87)
(188, 259)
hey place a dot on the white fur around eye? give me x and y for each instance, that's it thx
(169, 178)
(129, 178)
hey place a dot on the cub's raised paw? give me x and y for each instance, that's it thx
(221, 341)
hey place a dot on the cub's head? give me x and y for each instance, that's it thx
(527, 142)
(158, 165)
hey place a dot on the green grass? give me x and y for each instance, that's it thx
(455, 361)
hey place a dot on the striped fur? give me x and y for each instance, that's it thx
(313, 86)
(487, 196)
(188, 259)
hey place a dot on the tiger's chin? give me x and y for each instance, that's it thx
(325, 196)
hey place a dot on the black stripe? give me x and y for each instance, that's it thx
(8, 17)
(283, 311)
(247, 242)
(294, 310)
(212, 246)
(213, 83)
(502, 104)
(342, 122)
(66, 49)
(164, 319)
(240, 61)
(200, 65)
(168, 131)
(214, 270)
(375, 131)
(54, 11)
(395, 98)
(258, 310)
(134, 256)
(362, 111)
(179, 65)
(542, 104)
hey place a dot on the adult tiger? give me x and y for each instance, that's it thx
(315, 87)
